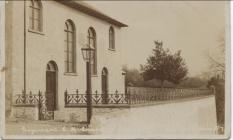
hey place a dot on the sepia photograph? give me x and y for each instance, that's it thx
(85, 69)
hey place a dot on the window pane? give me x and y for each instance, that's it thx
(89, 33)
(111, 38)
(69, 44)
(110, 42)
(92, 43)
(36, 4)
(70, 57)
(31, 23)
(69, 25)
(70, 47)
(70, 67)
(93, 64)
(65, 55)
(36, 25)
(30, 12)
(36, 14)
(66, 66)
(31, 18)
(70, 36)
(30, 3)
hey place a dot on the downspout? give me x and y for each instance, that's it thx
(24, 41)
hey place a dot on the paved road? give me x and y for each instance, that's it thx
(192, 117)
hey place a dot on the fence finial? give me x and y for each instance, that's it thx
(65, 98)
(76, 91)
(66, 92)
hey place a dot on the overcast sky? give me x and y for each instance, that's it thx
(190, 26)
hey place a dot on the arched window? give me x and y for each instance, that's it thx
(70, 48)
(92, 43)
(111, 38)
(35, 18)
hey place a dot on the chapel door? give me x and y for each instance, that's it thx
(51, 89)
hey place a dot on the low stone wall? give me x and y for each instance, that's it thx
(77, 114)
(25, 112)
(70, 115)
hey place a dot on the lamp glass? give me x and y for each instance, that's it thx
(88, 54)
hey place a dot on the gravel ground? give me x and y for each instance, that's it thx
(24, 127)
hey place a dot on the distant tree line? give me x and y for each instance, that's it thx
(135, 78)
(163, 69)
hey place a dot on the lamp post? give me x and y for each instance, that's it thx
(88, 54)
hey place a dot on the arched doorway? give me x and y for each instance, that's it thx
(104, 81)
(51, 87)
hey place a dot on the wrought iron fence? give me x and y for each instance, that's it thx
(134, 96)
(148, 95)
(36, 100)
(97, 99)
(27, 99)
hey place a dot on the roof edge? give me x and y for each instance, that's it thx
(91, 12)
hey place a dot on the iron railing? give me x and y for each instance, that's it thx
(97, 99)
(28, 99)
(33, 100)
(140, 96)
(134, 96)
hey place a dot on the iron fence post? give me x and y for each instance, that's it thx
(129, 97)
(76, 96)
(39, 105)
(65, 97)
(30, 100)
(24, 96)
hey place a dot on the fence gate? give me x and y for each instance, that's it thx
(44, 113)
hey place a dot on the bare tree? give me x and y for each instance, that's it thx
(217, 60)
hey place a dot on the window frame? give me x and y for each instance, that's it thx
(39, 20)
(70, 66)
(93, 38)
(112, 39)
